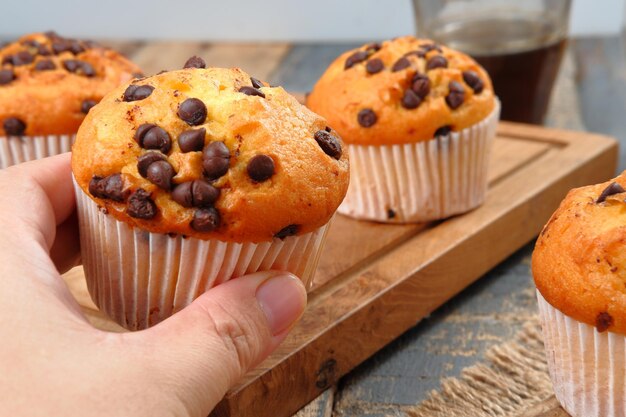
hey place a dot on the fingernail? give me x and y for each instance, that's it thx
(282, 298)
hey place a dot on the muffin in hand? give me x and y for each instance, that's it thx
(189, 178)
(47, 85)
(418, 119)
(579, 267)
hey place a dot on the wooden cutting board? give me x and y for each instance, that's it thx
(375, 281)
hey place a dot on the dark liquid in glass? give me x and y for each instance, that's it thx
(522, 56)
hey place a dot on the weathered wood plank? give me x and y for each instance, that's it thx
(126, 48)
(322, 406)
(166, 55)
(259, 60)
(304, 64)
(601, 70)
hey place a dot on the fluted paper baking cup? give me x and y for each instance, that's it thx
(587, 367)
(140, 278)
(17, 149)
(418, 182)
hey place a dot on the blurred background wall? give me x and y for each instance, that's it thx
(250, 20)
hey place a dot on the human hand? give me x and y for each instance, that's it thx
(53, 362)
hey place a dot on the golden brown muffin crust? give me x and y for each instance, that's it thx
(579, 261)
(48, 82)
(301, 193)
(356, 82)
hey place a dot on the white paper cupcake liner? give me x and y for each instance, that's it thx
(140, 278)
(588, 368)
(17, 149)
(418, 182)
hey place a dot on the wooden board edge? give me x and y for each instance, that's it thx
(325, 364)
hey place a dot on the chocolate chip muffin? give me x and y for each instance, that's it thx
(47, 85)
(418, 119)
(579, 267)
(192, 177)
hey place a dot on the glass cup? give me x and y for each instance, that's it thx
(519, 43)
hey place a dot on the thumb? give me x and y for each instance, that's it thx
(207, 347)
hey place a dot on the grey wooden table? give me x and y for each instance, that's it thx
(590, 95)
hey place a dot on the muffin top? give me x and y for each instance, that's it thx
(404, 90)
(579, 262)
(210, 153)
(48, 83)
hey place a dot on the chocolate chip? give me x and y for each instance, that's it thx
(51, 34)
(197, 193)
(328, 129)
(251, 91)
(14, 126)
(443, 131)
(96, 186)
(367, 118)
(473, 80)
(374, 66)
(140, 205)
(260, 168)
(437, 61)
(215, 160)
(374, 47)
(43, 50)
(355, 58)
(427, 47)
(145, 160)
(157, 138)
(256, 83)
(150, 136)
(141, 132)
(6, 76)
(612, 189)
(86, 105)
(60, 46)
(76, 48)
(71, 65)
(410, 100)
(603, 321)
(205, 220)
(329, 144)
(79, 67)
(31, 43)
(161, 173)
(421, 85)
(192, 111)
(45, 65)
(87, 69)
(192, 140)
(391, 214)
(137, 92)
(401, 64)
(23, 58)
(183, 195)
(204, 194)
(110, 187)
(195, 62)
(290, 230)
(456, 95)
(418, 53)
